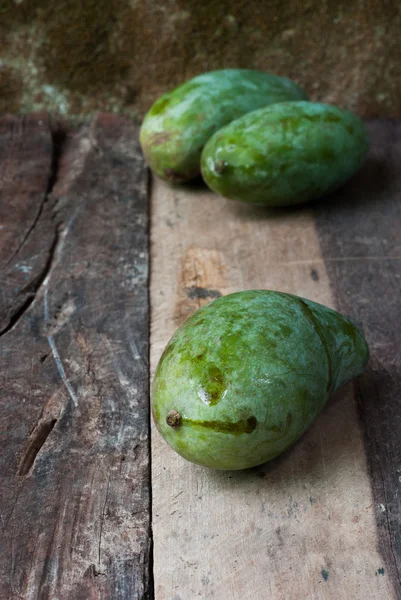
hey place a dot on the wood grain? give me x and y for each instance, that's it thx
(25, 176)
(302, 526)
(360, 237)
(74, 466)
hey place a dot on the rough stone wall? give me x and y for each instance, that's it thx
(78, 56)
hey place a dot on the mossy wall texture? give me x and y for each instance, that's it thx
(79, 56)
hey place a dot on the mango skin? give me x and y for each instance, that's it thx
(248, 374)
(181, 121)
(285, 154)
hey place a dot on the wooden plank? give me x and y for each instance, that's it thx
(302, 526)
(360, 238)
(74, 418)
(22, 224)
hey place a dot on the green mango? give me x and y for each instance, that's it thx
(285, 154)
(246, 375)
(179, 123)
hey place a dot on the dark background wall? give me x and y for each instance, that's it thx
(77, 56)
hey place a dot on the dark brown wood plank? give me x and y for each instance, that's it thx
(360, 237)
(74, 420)
(24, 229)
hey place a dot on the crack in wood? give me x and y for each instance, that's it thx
(30, 230)
(37, 441)
(102, 519)
(58, 139)
(32, 289)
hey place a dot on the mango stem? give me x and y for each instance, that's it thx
(174, 419)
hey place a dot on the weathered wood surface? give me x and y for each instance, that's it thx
(362, 230)
(322, 521)
(74, 418)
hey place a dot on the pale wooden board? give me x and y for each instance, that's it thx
(304, 525)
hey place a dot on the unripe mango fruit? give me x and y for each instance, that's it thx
(181, 121)
(285, 154)
(245, 376)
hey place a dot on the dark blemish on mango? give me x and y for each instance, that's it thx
(195, 293)
(326, 117)
(327, 154)
(282, 427)
(167, 350)
(158, 139)
(197, 321)
(292, 124)
(215, 384)
(325, 574)
(159, 106)
(220, 166)
(235, 428)
(285, 331)
(156, 413)
(212, 383)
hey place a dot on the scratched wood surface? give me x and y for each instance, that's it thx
(74, 417)
(322, 521)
